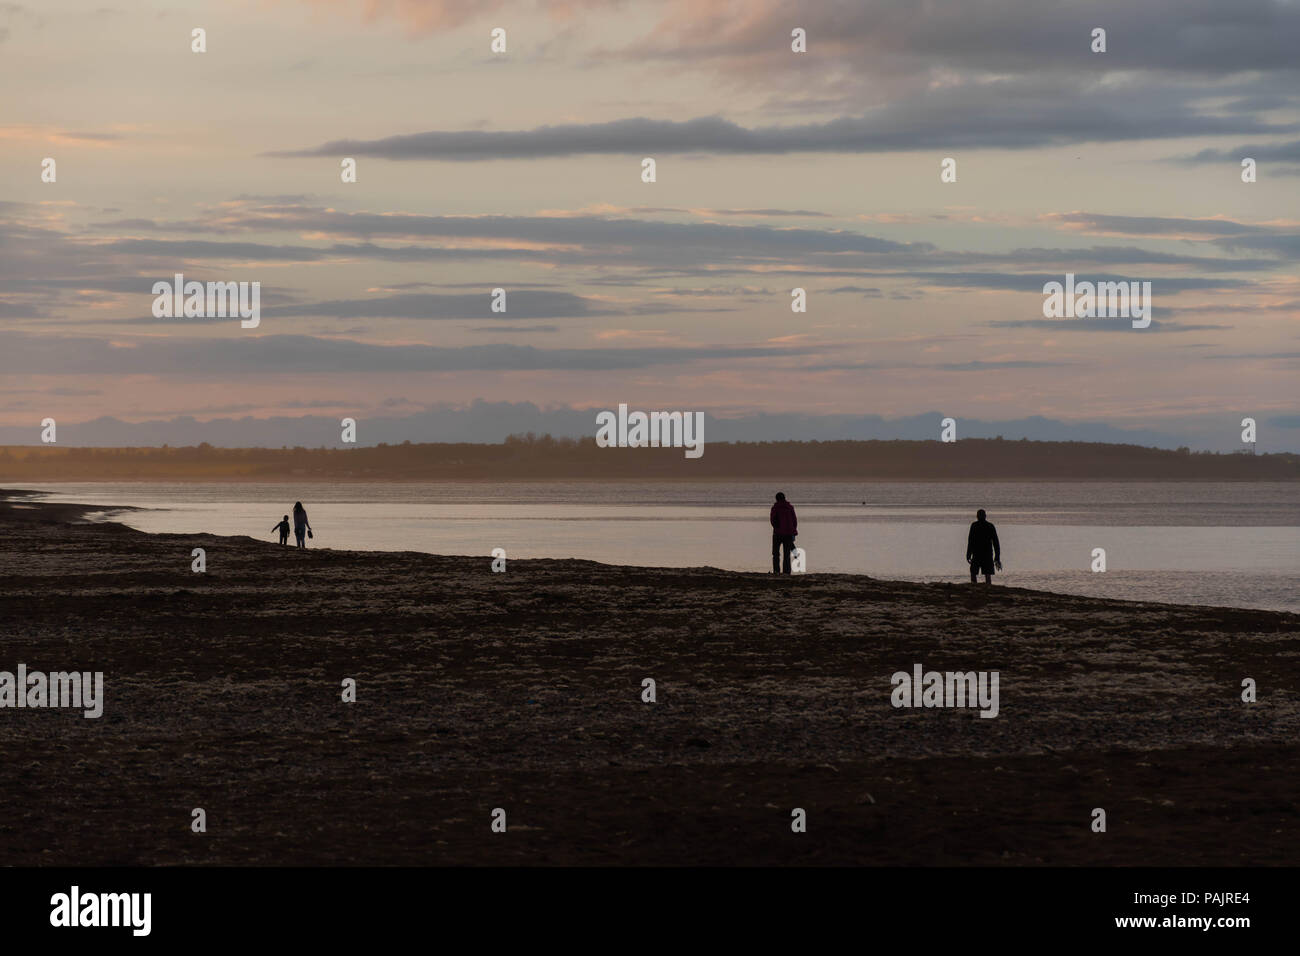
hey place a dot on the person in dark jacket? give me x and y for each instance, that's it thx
(983, 552)
(301, 527)
(784, 528)
(283, 528)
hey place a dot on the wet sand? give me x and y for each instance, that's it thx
(523, 691)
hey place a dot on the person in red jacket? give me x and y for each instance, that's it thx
(784, 528)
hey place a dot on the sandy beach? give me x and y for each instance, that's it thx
(523, 690)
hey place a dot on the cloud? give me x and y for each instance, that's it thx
(52, 271)
(903, 37)
(757, 213)
(892, 37)
(1027, 282)
(1161, 226)
(870, 292)
(182, 249)
(592, 240)
(1266, 152)
(524, 304)
(960, 118)
(579, 231)
(1267, 356)
(1285, 246)
(525, 329)
(237, 355)
(1100, 325)
(25, 309)
(972, 366)
(1126, 256)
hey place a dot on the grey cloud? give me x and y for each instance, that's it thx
(961, 118)
(1285, 246)
(805, 213)
(594, 240)
(972, 366)
(185, 249)
(649, 251)
(892, 37)
(715, 292)
(21, 310)
(1100, 325)
(1258, 102)
(1199, 37)
(237, 354)
(1219, 308)
(1026, 282)
(277, 198)
(1127, 256)
(597, 231)
(516, 328)
(1265, 152)
(976, 366)
(127, 224)
(1255, 355)
(523, 304)
(121, 285)
(770, 213)
(368, 250)
(1155, 225)
(208, 249)
(582, 230)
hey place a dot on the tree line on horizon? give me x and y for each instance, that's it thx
(530, 456)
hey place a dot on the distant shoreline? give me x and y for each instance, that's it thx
(648, 479)
(549, 459)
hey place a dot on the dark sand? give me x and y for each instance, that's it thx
(522, 690)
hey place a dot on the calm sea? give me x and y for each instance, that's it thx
(1229, 544)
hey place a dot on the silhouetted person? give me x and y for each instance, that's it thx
(283, 528)
(784, 528)
(982, 549)
(300, 526)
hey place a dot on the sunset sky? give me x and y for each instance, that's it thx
(522, 170)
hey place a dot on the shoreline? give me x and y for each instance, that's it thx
(523, 690)
(656, 479)
(64, 511)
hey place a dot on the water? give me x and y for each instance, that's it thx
(1217, 543)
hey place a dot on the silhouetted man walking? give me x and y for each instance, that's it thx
(784, 528)
(982, 549)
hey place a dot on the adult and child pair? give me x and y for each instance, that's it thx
(301, 529)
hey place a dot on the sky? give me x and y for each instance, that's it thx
(774, 170)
